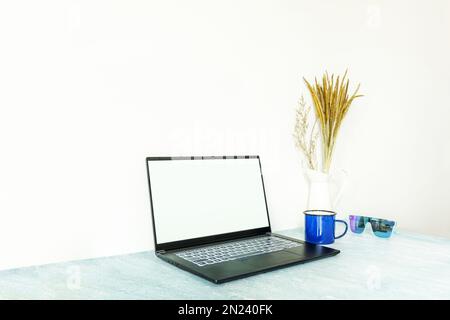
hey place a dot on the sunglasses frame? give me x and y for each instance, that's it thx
(377, 225)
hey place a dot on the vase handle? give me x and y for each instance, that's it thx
(341, 184)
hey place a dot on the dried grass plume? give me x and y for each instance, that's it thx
(331, 100)
(304, 136)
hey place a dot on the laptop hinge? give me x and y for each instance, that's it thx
(160, 251)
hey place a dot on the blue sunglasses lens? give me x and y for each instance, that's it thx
(358, 223)
(382, 228)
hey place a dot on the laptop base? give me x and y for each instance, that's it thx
(248, 266)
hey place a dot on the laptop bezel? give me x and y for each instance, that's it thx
(160, 247)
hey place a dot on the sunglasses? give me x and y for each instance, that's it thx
(381, 227)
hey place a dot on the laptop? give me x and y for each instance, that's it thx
(210, 218)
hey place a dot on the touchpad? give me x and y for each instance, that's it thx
(271, 259)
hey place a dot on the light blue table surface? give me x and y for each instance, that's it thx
(406, 266)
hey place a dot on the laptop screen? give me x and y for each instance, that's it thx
(206, 197)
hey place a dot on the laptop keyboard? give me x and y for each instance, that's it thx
(236, 250)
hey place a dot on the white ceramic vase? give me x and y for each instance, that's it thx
(325, 190)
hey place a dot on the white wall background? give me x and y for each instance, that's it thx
(89, 88)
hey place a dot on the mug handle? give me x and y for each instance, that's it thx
(345, 231)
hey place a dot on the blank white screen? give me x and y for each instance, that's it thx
(198, 198)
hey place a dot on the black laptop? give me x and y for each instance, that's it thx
(210, 218)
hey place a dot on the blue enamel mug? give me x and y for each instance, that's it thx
(320, 226)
